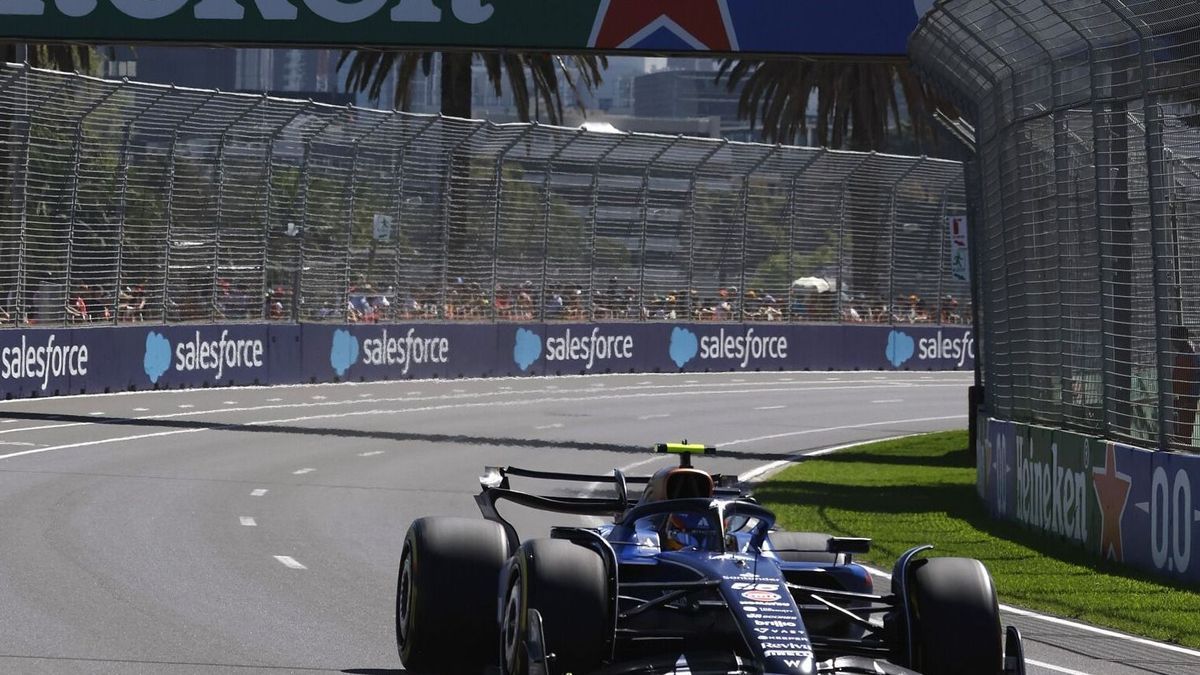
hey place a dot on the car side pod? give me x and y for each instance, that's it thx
(1014, 652)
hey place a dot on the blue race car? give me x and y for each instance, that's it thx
(690, 577)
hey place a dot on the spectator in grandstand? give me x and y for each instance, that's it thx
(1185, 386)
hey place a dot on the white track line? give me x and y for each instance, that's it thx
(258, 493)
(1057, 669)
(289, 561)
(657, 416)
(556, 425)
(248, 521)
(301, 472)
(771, 407)
(889, 400)
(670, 390)
(371, 453)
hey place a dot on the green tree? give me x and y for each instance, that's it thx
(529, 75)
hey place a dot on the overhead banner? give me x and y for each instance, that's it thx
(833, 27)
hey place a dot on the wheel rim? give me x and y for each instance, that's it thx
(404, 598)
(511, 627)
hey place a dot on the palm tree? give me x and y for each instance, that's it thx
(858, 106)
(369, 71)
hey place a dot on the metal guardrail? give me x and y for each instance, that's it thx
(133, 202)
(1086, 197)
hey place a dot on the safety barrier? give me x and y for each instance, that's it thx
(48, 362)
(1120, 502)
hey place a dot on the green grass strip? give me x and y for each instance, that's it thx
(922, 490)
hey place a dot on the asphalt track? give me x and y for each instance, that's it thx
(258, 529)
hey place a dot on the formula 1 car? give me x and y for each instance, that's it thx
(690, 577)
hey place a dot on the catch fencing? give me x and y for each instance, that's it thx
(124, 202)
(1086, 197)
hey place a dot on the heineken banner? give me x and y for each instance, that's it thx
(1122, 503)
(868, 27)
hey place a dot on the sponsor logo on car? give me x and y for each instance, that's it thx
(44, 361)
(761, 596)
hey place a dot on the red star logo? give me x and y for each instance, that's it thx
(704, 24)
(1112, 491)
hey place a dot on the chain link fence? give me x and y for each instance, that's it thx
(128, 202)
(1086, 190)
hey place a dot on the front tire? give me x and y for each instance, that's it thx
(568, 585)
(446, 595)
(955, 617)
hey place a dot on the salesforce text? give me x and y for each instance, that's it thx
(43, 361)
(957, 349)
(218, 354)
(589, 347)
(405, 351)
(743, 348)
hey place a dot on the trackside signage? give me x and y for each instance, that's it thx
(1120, 502)
(46, 362)
(856, 27)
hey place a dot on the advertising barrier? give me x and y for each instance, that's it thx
(1120, 502)
(48, 362)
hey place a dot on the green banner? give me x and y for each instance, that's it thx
(1054, 490)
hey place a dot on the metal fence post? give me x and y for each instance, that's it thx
(498, 199)
(23, 192)
(351, 203)
(305, 180)
(76, 165)
(843, 187)
(792, 210)
(645, 200)
(445, 276)
(546, 206)
(594, 216)
(170, 214)
(400, 188)
(269, 170)
(742, 290)
(691, 198)
(892, 216)
(122, 200)
(220, 180)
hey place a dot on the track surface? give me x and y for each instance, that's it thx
(258, 529)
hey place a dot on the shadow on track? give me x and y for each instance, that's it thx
(397, 436)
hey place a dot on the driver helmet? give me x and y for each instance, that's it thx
(696, 531)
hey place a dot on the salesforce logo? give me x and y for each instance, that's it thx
(899, 348)
(588, 347)
(406, 350)
(684, 346)
(526, 348)
(344, 351)
(200, 355)
(743, 349)
(158, 356)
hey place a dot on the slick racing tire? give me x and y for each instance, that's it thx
(567, 584)
(809, 547)
(446, 593)
(955, 618)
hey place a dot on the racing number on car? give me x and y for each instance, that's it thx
(1171, 520)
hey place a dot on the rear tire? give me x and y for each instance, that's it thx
(446, 595)
(808, 547)
(568, 585)
(956, 618)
